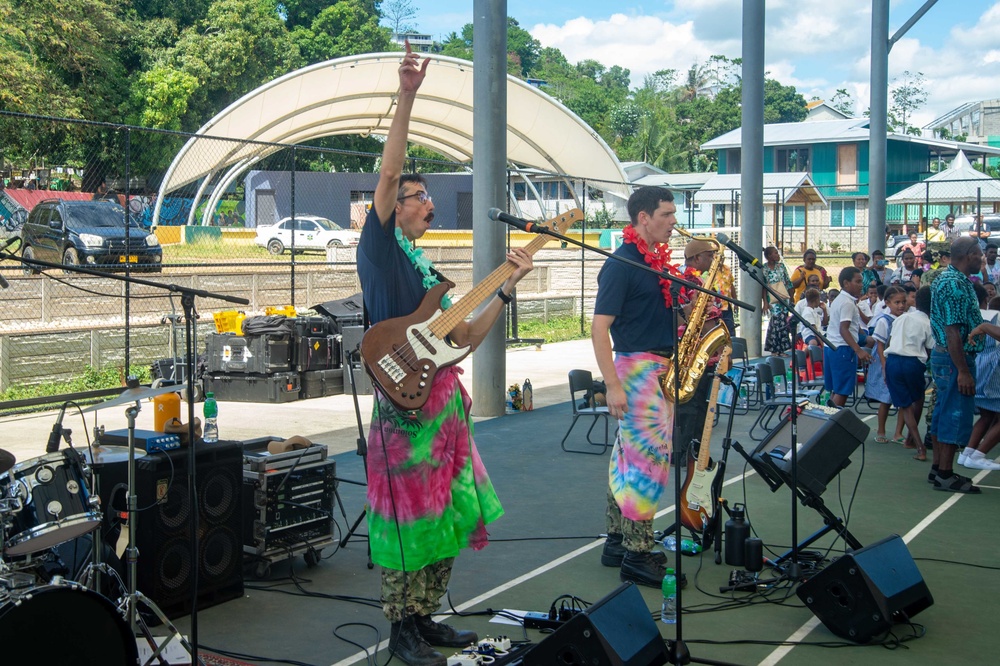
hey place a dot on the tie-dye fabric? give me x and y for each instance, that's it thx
(426, 481)
(640, 459)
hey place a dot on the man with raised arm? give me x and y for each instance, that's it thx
(429, 494)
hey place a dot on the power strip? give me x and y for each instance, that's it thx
(534, 620)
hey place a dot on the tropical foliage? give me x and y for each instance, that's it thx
(174, 64)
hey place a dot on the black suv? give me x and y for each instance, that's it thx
(90, 233)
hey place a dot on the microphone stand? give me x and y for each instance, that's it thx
(677, 649)
(793, 571)
(188, 296)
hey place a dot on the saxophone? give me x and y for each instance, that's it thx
(700, 342)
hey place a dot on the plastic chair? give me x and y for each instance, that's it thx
(581, 382)
(741, 359)
(805, 365)
(780, 372)
(774, 404)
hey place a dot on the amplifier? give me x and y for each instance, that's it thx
(289, 507)
(827, 437)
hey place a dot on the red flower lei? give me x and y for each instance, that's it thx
(657, 258)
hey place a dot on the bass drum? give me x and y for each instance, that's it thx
(66, 624)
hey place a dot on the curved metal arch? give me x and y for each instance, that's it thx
(562, 142)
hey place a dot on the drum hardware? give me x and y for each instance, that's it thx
(7, 460)
(130, 602)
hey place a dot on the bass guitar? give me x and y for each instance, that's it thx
(701, 489)
(402, 355)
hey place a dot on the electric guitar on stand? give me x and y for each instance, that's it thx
(402, 355)
(701, 490)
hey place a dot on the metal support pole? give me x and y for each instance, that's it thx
(752, 162)
(489, 148)
(878, 124)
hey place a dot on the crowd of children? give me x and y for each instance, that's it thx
(880, 323)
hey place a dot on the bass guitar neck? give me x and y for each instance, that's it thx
(404, 354)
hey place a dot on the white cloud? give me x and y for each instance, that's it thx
(643, 44)
(816, 45)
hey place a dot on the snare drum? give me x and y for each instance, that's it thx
(65, 623)
(48, 503)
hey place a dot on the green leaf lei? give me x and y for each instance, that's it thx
(422, 264)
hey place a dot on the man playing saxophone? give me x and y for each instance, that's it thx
(702, 265)
(633, 311)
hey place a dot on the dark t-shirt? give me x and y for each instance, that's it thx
(633, 297)
(390, 284)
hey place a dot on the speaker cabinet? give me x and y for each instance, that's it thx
(618, 630)
(827, 438)
(163, 530)
(861, 594)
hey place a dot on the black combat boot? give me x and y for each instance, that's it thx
(438, 633)
(614, 552)
(406, 644)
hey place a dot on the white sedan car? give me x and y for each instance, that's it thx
(311, 233)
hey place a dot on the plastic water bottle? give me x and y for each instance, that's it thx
(668, 612)
(688, 547)
(211, 418)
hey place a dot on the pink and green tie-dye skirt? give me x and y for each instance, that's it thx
(427, 486)
(640, 459)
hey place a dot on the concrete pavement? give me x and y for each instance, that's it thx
(330, 420)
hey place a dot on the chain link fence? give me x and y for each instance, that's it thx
(230, 229)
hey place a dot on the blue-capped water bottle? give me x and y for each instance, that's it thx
(211, 412)
(668, 612)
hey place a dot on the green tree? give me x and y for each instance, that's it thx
(843, 101)
(239, 46)
(342, 29)
(398, 15)
(908, 95)
(523, 50)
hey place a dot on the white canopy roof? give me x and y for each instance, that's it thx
(959, 183)
(356, 95)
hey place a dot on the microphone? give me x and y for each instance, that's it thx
(744, 256)
(498, 215)
(56, 433)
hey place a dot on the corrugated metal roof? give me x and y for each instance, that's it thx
(834, 131)
(678, 180)
(818, 131)
(789, 187)
(27, 199)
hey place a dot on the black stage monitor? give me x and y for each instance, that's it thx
(827, 437)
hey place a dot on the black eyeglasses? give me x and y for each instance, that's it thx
(421, 196)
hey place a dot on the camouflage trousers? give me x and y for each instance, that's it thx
(406, 593)
(929, 404)
(637, 535)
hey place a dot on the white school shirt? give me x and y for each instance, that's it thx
(844, 308)
(911, 336)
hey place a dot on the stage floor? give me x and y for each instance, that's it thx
(547, 545)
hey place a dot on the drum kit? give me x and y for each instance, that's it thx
(49, 507)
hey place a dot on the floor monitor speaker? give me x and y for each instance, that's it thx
(618, 630)
(861, 594)
(163, 527)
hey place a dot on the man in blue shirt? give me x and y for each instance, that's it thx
(954, 313)
(632, 311)
(429, 495)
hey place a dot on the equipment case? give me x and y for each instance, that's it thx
(319, 383)
(259, 354)
(279, 387)
(289, 499)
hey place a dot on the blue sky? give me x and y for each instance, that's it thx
(816, 45)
